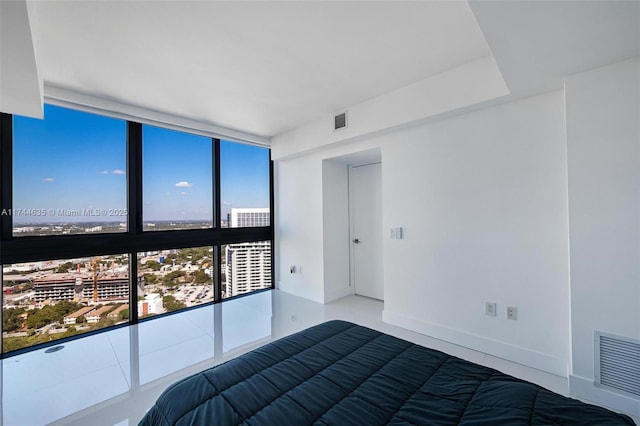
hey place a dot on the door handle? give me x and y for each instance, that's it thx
(356, 241)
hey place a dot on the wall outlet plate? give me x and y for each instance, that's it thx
(512, 313)
(490, 309)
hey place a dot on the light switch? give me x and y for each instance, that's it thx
(396, 233)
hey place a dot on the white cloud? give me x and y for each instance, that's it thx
(184, 193)
(47, 179)
(184, 184)
(226, 203)
(103, 172)
(119, 172)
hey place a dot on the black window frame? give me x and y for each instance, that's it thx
(135, 240)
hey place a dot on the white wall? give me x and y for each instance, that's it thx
(483, 201)
(603, 137)
(298, 197)
(335, 226)
(483, 205)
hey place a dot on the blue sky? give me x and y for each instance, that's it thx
(244, 176)
(74, 160)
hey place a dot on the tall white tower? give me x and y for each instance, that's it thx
(248, 267)
(250, 217)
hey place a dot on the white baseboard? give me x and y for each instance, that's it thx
(588, 391)
(336, 293)
(496, 348)
(296, 289)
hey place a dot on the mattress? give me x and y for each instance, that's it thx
(339, 373)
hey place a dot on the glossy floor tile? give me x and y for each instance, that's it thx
(113, 378)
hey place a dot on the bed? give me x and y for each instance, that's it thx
(339, 373)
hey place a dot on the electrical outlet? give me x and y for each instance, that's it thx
(292, 269)
(512, 313)
(490, 309)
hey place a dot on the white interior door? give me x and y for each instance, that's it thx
(365, 201)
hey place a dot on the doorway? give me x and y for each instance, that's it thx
(365, 214)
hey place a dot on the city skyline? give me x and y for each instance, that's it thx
(76, 162)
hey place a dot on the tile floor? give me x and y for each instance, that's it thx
(114, 377)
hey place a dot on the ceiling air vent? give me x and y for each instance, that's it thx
(340, 121)
(617, 363)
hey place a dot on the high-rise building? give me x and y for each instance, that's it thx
(248, 267)
(243, 217)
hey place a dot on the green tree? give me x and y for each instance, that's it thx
(170, 258)
(124, 314)
(11, 320)
(150, 278)
(64, 308)
(170, 303)
(201, 277)
(40, 317)
(171, 278)
(193, 254)
(153, 265)
(51, 313)
(64, 268)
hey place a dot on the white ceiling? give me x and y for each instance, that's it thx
(537, 43)
(265, 67)
(259, 67)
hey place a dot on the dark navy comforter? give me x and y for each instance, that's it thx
(338, 373)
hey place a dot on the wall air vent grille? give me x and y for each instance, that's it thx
(340, 121)
(617, 362)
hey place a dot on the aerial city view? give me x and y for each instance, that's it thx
(69, 177)
(48, 300)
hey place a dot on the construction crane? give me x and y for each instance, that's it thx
(95, 265)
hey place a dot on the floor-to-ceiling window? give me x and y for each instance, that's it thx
(106, 222)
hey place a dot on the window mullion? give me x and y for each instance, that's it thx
(134, 177)
(6, 168)
(272, 222)
(134, 205)
(217, 221)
